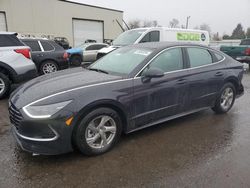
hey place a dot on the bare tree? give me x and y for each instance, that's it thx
(174, 23)
(205, 27)
(134, 24)
(139, 23)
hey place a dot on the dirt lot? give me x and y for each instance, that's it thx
(199, 150)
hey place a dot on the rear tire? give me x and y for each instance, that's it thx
(226, 99)
(5, 85)
(48, 67)
(91, 138)
(76, 60)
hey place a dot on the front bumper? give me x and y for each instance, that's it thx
(43, 137)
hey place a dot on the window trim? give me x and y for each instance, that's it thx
(185, 69)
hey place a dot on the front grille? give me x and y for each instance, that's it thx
(15, 116)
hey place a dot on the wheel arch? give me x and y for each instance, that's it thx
(7, 70)
(112, 104)
(234, 81)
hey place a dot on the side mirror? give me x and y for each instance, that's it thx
(152, 73)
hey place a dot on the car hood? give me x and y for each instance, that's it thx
(47, 85)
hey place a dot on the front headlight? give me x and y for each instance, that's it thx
(44, 111)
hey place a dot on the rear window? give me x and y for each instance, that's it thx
(9, 40)
(47, 46)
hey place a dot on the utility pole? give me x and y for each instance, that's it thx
(187, 21)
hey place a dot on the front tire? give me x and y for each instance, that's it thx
(225, 99)
(98, 131)
(5, 85)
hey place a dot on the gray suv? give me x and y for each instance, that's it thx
(15, 62)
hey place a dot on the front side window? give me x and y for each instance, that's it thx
(153, 36)
(170, 60)
(34, 46)
(122, 61)
(199, 57)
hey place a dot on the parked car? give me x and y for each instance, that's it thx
(15, 62)
(156, 34)
(63, 42)
(240, 53)
(75, 56)
(90, 50)
(129, 89)
(48, 56)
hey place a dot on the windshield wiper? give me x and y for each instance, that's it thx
(98, 70)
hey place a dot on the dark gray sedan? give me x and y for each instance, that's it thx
(129, 89)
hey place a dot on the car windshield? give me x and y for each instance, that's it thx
(128, 37)
(121, 61)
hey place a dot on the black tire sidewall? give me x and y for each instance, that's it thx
(217, 108)
(7, 85)
(75, 60)
(45, 62)
(79, 132)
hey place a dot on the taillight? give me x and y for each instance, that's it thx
(247, 51)
(25, 52)
(65, 55)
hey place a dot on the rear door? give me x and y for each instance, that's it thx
(206, 77)
(162, 97)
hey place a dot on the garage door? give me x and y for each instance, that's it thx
(87, 30)
(3, 25)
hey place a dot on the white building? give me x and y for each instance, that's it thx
(59, 18)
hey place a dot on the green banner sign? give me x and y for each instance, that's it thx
(188, 36)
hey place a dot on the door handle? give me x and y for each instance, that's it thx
(181, 81)
(219, 74)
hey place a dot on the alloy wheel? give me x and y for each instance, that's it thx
(227, 98)
(100, 132)
(2, 86)
(49, 68)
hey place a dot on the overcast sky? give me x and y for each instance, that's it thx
(221, 15)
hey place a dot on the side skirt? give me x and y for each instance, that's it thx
(168, 119)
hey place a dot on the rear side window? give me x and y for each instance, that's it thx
(9, 40)
(218, 56)
(170, 60)
(95, 47)
(47, 46)
(153, 36)
(199, 57)
(34, 46)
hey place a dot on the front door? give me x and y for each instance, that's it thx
(160, 98)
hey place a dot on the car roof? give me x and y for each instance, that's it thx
(162, 45)
(34, 39)
(7, 33)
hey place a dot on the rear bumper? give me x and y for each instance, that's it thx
(243, 59)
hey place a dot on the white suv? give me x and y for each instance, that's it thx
(15, 62)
